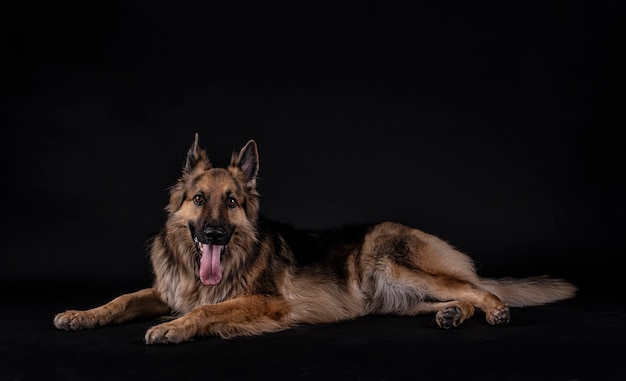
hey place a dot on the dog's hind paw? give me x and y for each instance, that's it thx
(449, 317)
(500, 315)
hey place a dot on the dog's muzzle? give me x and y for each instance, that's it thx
(211, 243)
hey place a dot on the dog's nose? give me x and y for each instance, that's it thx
(215, 234)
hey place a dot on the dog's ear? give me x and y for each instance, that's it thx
(196, 157)
(248, 163)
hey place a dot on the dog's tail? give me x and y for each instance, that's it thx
(534, 291)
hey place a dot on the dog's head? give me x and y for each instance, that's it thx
(217, 205)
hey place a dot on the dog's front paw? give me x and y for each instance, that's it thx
(167, 333)
(75, 320)
(499, 315)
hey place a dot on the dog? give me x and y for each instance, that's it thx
(221, 269)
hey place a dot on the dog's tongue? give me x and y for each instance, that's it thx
(210, 269)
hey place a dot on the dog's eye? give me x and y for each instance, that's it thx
(198, 199)
(231, 202)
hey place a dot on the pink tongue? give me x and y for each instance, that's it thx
(210, 269)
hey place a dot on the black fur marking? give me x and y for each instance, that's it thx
(398, 250)
(325, 250)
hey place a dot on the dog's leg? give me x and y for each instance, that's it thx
(250, 315)
(421, 264)
(445, 288)
(141, 304)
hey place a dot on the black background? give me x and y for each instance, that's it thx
(492, 126)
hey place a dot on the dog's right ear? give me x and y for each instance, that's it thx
(196, 158)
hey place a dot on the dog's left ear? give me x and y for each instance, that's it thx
(248, 162)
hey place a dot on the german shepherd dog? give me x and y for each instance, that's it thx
(220, 269)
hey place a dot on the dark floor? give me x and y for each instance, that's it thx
(580, 339)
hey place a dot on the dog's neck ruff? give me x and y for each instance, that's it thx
(210, 263)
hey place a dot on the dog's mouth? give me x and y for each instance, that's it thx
(210, 261)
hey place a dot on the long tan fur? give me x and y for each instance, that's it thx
(224, 270)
